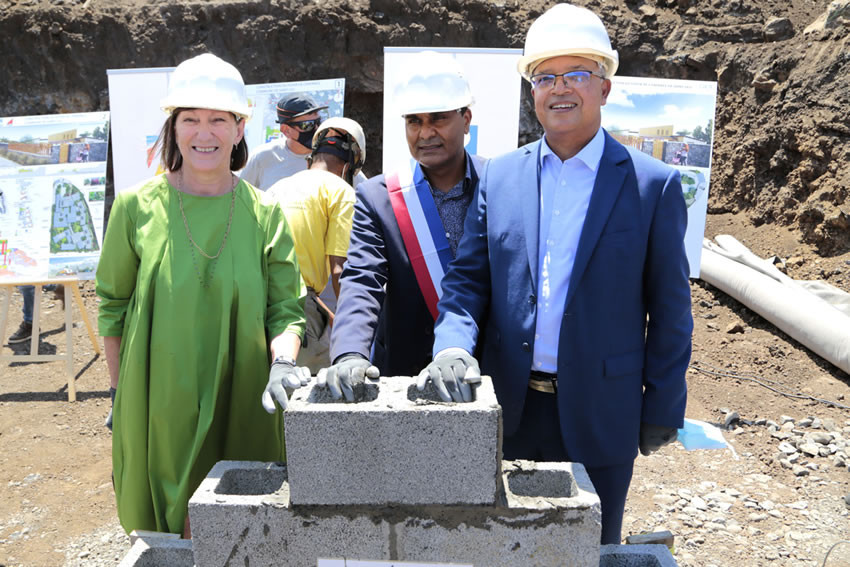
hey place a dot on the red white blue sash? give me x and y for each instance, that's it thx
(421, 229)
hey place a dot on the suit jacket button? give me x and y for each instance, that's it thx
(532, 299)
(526, 347)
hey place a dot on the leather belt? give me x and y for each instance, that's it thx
(543, 382)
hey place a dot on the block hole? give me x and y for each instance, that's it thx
(252, 482)
(366, 392)
(429, 394)
(542, 483)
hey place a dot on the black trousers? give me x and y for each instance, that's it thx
(539, 439)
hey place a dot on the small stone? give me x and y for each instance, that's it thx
(778, 29)
(847, 500)
(821, 438)
(799, 471)
(809, 448)
(731, 417)
(783, 419)
(734, 328)
(787, 448)
(805, 422)
(788, 426)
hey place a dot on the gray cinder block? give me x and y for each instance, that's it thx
(650, 555)
(398, 446)
(159, 551)
(548, 515)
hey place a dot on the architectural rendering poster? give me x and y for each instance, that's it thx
(671, 120)
(52, 188)
(134, 97)
(496, 87)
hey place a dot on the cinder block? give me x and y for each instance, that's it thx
(398, 446)
(159, 551)
(650, 555)
(548, 516)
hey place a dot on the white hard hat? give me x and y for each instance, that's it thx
(435, 84)
(565, 29)
(206, 81)
(346, 125)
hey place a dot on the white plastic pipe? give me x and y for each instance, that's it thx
(800, 314)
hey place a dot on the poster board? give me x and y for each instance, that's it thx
(496, 87)
(134, 97)
(52, 190)
(671, 120)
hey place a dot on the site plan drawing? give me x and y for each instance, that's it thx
(52, 187)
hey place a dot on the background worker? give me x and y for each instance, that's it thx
(573, 264)
(319, 205)
(199, 290)
(388, 295)
(299, 117)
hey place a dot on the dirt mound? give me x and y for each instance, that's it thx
(781, 126)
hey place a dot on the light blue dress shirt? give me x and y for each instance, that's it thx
(565, 189)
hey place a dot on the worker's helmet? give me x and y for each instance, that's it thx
(350, 147)
(436, 83)
(565, 29)
(207, 81)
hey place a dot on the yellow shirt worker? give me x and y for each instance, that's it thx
(319, 206)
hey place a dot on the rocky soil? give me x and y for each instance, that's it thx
(779, 184)
(779, 497)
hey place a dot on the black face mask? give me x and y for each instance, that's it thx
(306, 138)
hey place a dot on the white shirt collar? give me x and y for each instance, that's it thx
(590, 155)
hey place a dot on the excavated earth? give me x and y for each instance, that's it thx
(779, 183)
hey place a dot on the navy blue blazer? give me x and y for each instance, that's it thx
(625, 338)
(380, 300)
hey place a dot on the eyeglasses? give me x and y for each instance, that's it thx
(573, 79)
(306, 125)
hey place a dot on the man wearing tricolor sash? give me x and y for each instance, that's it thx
(407, 225)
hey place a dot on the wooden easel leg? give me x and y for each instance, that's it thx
(79, 299)
(69, 335)
(36, 320)
(4, 313)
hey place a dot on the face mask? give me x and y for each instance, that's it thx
(306, 138)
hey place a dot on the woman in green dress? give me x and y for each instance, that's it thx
(199, 290)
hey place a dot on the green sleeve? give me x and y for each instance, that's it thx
(117, 269)
(285, 309)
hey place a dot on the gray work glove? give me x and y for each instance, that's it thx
(452, 371)
(348, 371)
(653, 437)
(283, 374)
(108, 422)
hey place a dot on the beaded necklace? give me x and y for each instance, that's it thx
(205, 282)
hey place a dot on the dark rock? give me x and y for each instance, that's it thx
(778, 29)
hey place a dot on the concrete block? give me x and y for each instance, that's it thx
(547, 516)
(653, 555)
(398, 446)
(241, 514)
(159, 551)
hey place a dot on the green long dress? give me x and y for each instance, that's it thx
(194, 357)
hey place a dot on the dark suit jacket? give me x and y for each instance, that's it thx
(625, 337)
(379, 297)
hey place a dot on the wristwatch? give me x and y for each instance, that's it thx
(284, 360)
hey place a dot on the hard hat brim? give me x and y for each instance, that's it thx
(527, 63)
(169, 105)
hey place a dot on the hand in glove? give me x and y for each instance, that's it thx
(653, 437)
(108, 422)
(349, 370)
(283, 374)
(452, 371)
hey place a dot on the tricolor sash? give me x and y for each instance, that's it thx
(421, 229)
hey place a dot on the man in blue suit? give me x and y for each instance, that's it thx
(407, 224)
(572, 273)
